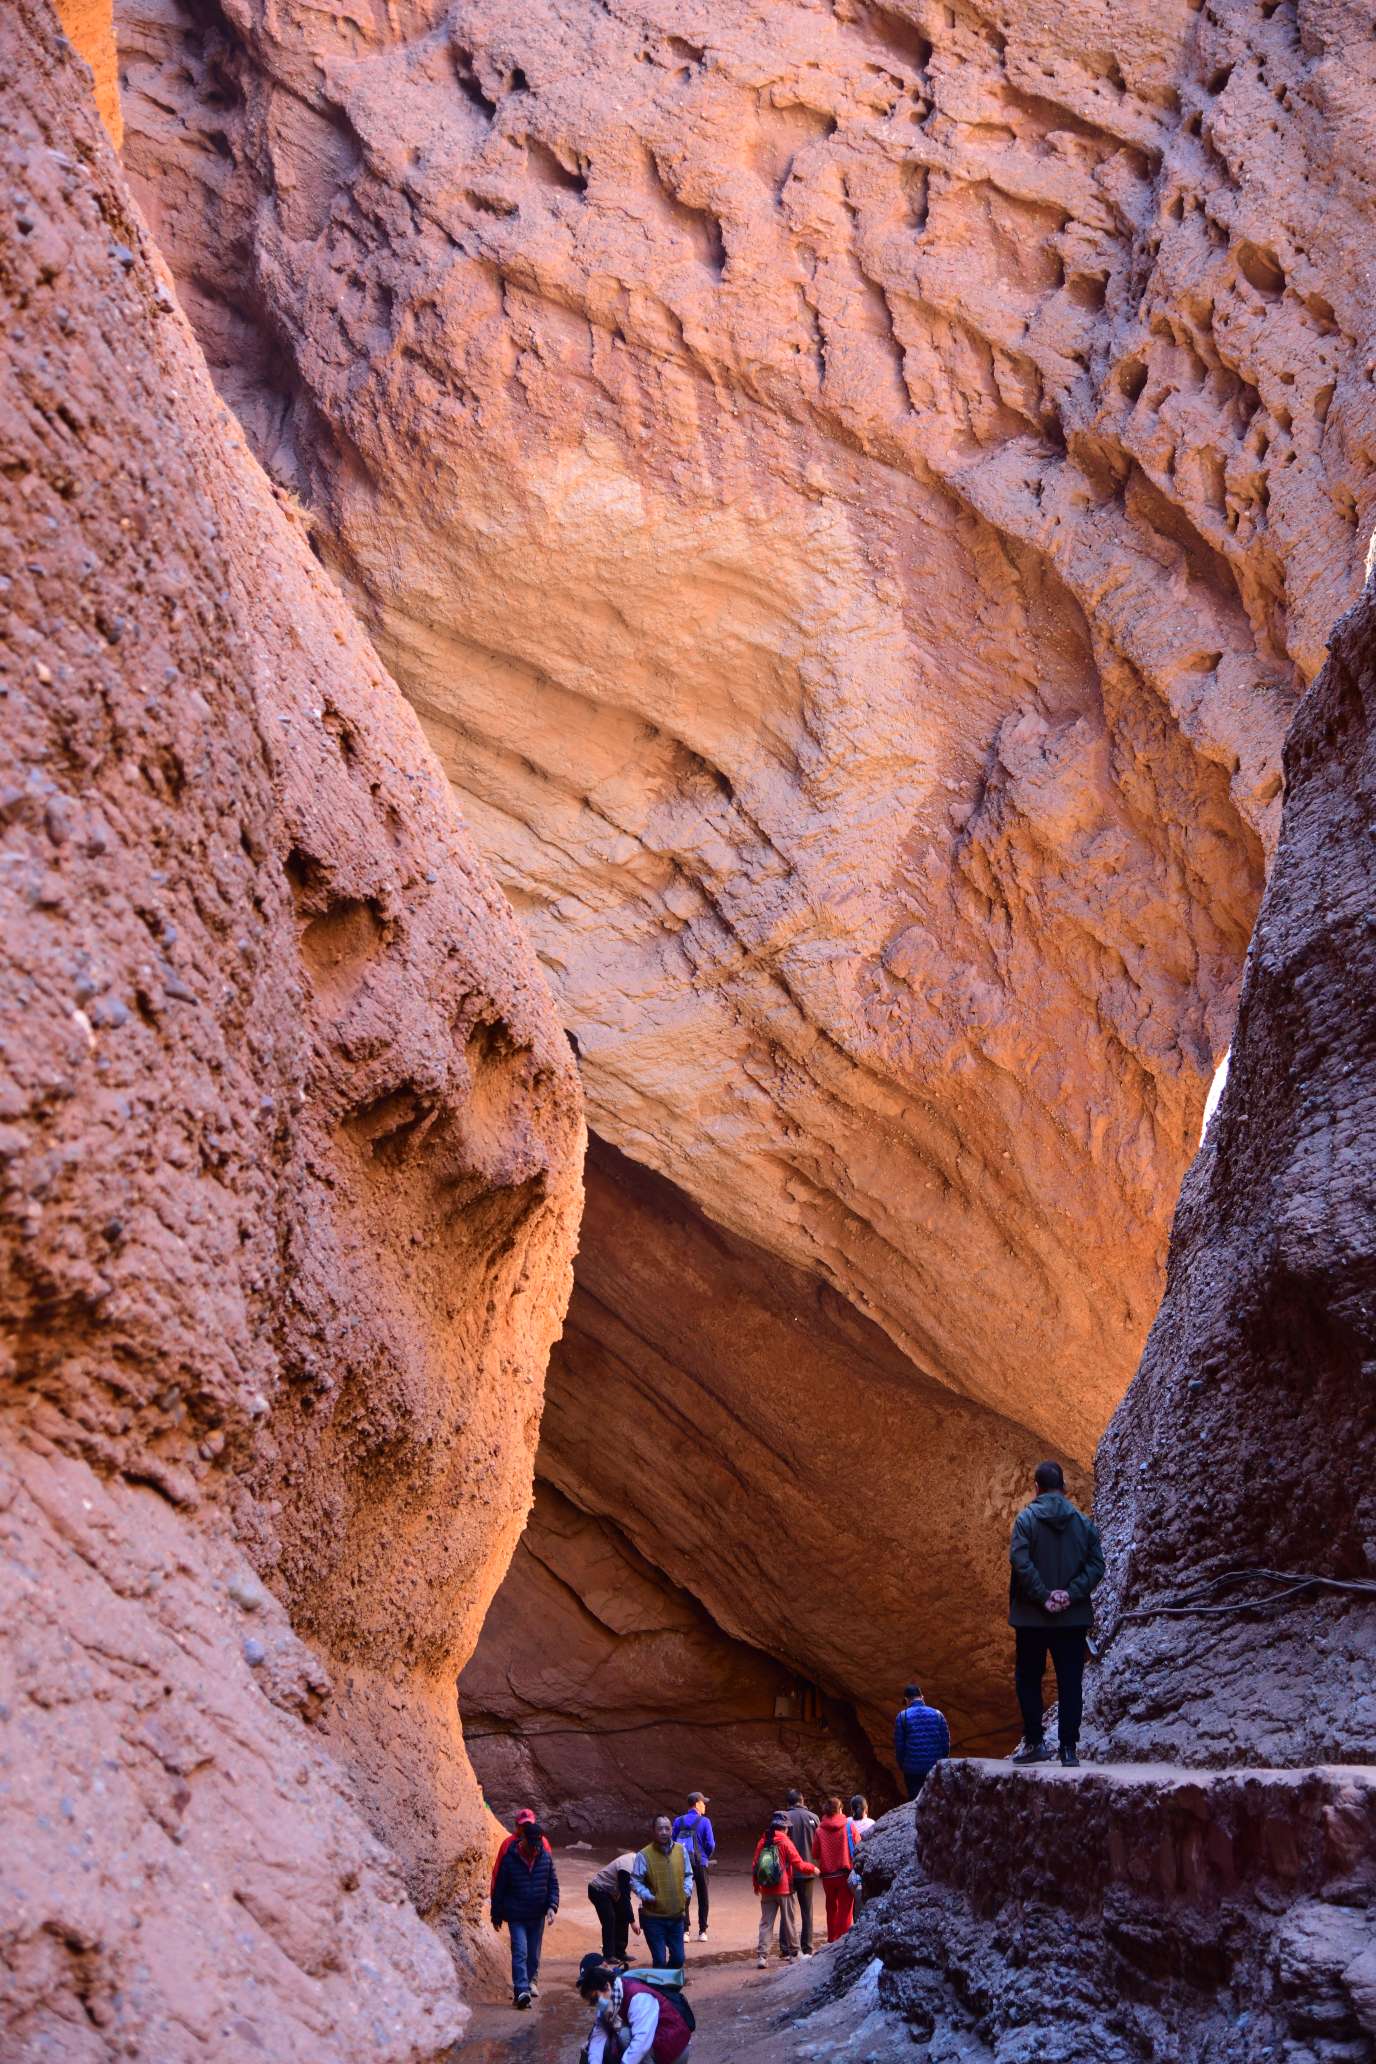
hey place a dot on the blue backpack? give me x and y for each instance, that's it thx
(686, 1831)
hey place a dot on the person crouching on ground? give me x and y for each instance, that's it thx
(662, 1881)
(525, 1894)
(835, 1847)
(610, 1892)
(1056, 1561)
(632, 2021)
(777, 1865)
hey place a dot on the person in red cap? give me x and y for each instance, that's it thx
(525, 1894)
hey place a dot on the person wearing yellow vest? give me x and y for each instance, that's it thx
(662, 1880)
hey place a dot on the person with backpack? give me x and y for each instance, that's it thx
(525, 1894)
(1056, 1560)
(921, 1739)
(776, 1869)
(610, 1892)
(694, 1830)
(802, 1831)
(836, 1846)
(634, 2021)
(662, 1880)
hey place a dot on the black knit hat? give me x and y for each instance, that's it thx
(593, 1974)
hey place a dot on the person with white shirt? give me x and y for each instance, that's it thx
(861, 1815)
(633, 2022)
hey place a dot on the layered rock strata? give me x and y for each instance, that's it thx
(290, 1143)
(599, 1694)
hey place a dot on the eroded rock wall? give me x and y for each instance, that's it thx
(1188, 1901)
(290, 1144)
(1248, 1438)
(855, 492)
(1120, 1915)
(831, 478)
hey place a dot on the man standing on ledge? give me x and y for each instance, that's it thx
(1056, 1562)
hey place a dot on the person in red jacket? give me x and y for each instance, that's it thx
(834, 1846)
(776, 1867)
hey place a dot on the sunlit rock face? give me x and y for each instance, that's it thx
(289, 1147)
(90, 28)
(854, 491)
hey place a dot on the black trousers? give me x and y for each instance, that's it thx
(615, 1916)
(701, 1894)
(805, 1887)
(914, 1780)
(1066, 1646)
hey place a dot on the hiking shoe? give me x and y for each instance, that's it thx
(534, 1990)
(1033, 1752)
(762, 1963)
(523, 1999)
(1069, 1758)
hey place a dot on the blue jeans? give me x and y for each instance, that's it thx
(526, 1937)
(665, 1939)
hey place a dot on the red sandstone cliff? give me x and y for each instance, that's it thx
(855, 493)
(289, 1138)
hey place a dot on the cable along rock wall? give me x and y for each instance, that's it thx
(289, 1181)
(854, 492)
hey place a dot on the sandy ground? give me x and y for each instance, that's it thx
(737, 2006)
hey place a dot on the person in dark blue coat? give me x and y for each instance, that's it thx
(525, 1894)
(921, 1738)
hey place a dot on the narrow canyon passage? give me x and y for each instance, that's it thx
(670, 673)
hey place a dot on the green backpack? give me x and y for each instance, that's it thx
(770, 1868)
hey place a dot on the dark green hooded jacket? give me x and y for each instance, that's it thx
(1054, 1548)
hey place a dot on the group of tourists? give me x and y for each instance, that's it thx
(643, 2014)
(1055, 1560)
(796, 1851)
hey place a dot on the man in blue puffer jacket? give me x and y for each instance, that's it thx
(525, 1894)
(920, 1738)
